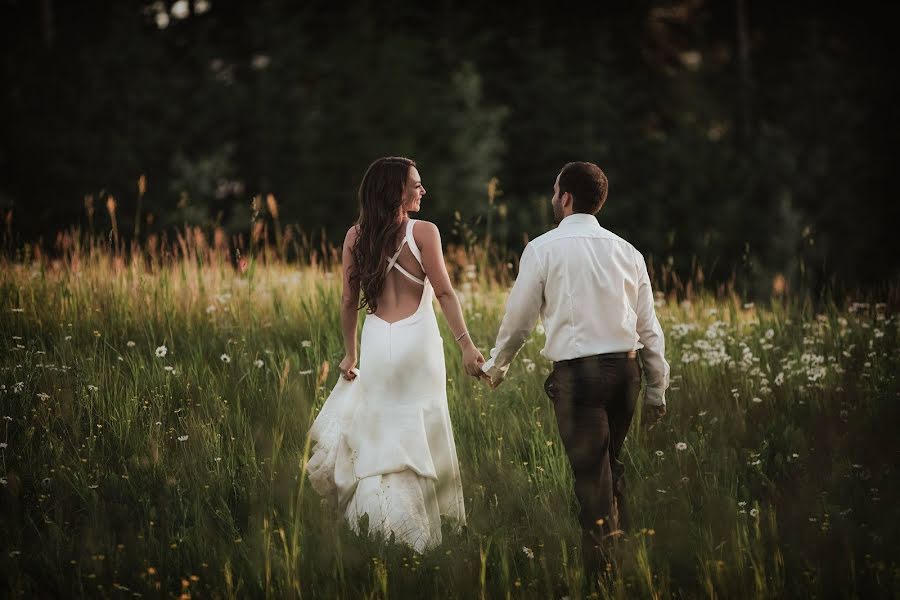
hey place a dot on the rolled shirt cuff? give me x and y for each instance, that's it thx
(654, 396)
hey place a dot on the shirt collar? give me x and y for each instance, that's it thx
(580, 219)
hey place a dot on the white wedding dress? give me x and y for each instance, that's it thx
(383, 444)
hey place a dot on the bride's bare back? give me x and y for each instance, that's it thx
(401, 295)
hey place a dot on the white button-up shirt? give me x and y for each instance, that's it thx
(592, 292)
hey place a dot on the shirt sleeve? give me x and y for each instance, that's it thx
(650, 335)
(522, 310)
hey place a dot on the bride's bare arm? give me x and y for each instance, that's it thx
(349, 306)
(428, 238)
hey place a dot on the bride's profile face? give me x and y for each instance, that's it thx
(413, 191)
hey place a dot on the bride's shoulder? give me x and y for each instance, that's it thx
(424, 231)
(352, 235)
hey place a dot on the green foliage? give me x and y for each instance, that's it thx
(786, 173)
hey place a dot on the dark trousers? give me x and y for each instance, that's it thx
(594, 400)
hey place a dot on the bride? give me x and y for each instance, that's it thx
(383, 442)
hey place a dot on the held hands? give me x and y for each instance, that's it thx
(473, 361)
(346, 367)
(472, 358)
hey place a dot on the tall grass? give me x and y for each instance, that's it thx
(155, 405)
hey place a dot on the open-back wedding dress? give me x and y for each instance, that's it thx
(383, 442)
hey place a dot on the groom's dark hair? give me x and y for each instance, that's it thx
(587, 184)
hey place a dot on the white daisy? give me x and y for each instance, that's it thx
(161, 351)
(225, 358)
(680, 446)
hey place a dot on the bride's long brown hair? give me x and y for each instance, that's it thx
(380, 201)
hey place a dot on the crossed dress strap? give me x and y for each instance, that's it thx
(407, 239)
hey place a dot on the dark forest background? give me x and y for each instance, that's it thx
(748, 137)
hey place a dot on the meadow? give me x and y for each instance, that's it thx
(153, 441)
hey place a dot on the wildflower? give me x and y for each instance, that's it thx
(754, 512)
(169, 368)
(3, 481)
(7, 418)
(92, 388)
(742, 504)
(68, 337)
(258, 363)
(211, 309)
(218, 459)
(3, 446)
(770, 333)
(45, 481)
(14, 553)
(18, 387)
(130, 344)
(43, 396)
(161, 351)
(225, 358)
(659, 453)
(757, 400)
(306, 343)
(528, 552)
(182, 438)
(93, 486)
(530, 367)
(680, 446)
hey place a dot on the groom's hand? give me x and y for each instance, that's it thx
(653, 413)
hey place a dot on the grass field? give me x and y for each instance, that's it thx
(154, 435)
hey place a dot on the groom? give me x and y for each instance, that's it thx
(592, 292)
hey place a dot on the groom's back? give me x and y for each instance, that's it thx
(592, 279)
